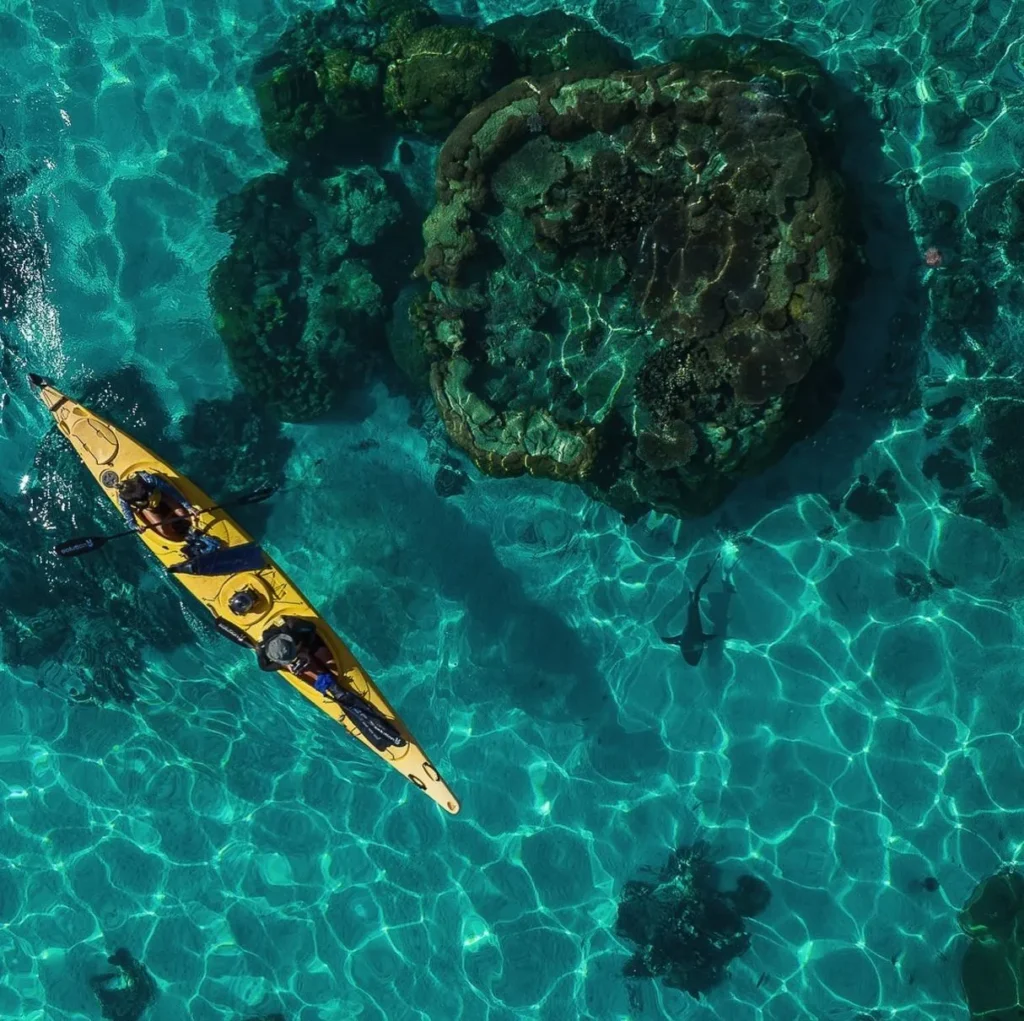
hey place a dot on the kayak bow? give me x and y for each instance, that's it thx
(111, 455)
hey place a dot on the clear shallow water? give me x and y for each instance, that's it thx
(842, 743)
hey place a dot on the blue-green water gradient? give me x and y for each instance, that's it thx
(841, 742)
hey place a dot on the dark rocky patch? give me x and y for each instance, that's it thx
(992, 968)
(949, 470)
(296, 300)
(450, 481)
(339, 82)
(1003, 454)
(686, 930)
(984, 505)
(435, 75)
(873, 501)
(127, 1002)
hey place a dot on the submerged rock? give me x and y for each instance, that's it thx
(873, 501)
(686, 930)
(436, 75)
(450, 480)
(342, 25)
(636, 280)
(127, 1002)
(344, 76)
(556, 41)
(993, 964)
(1002, 455)
(336, 79)
(319, 89)
(294, 299)
(311, 110)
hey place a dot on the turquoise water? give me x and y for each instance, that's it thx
(842, 743)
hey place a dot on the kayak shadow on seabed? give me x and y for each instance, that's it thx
(525, 656)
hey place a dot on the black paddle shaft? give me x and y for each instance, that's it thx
(87, 544)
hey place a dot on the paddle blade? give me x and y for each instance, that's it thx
(258, 497)
(224, 561)
(232, 632)
(377, 730)
(76, 547)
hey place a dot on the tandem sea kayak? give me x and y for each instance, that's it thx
(111, 455)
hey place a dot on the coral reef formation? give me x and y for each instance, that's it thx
(436, 75)
(686, 930)
(319, 90)
(294, 299)
(338, 77)
(637, 279)
(298, 300)
(556, 41)
(309, 110)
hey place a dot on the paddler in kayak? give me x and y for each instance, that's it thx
(296, 646)
(149, 499)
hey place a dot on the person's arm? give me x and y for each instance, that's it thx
(129, 514)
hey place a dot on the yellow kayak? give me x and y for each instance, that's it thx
(111, 455)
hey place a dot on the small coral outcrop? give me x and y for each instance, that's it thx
(294, 299)
(686, 930)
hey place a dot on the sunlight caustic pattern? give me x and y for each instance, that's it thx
(854, 731)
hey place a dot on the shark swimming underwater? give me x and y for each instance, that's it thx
(693, 639)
